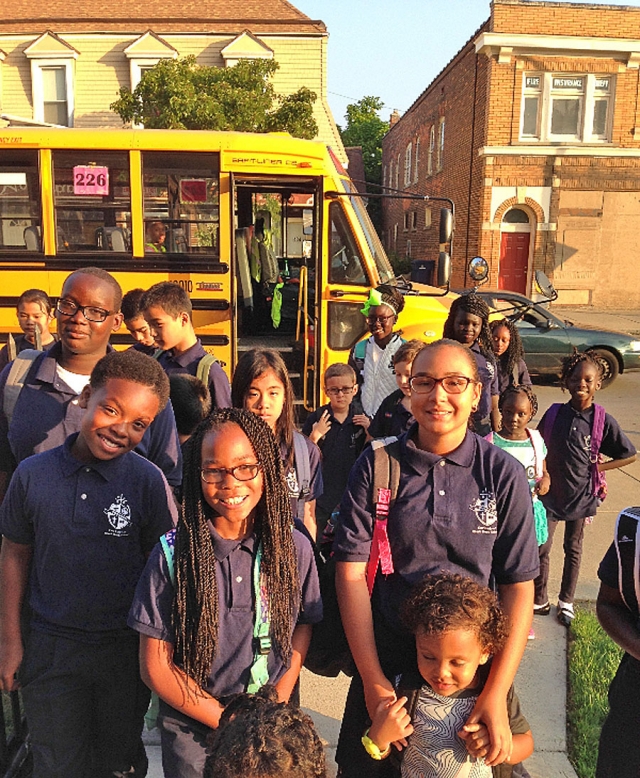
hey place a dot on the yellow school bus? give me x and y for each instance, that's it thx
(201, 209)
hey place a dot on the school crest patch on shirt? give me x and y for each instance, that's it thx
(119, 515)
(484, 506)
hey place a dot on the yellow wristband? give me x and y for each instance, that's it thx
(372, 749)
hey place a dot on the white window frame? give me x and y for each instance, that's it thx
(440, 149)
(398, 172)
(407, 165)
(415, 161)
(432, 148)
(587, 94)
(37, 86)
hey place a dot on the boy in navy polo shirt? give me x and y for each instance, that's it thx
(167, 309)
(339, 430)
(78, 522)
(135, 322)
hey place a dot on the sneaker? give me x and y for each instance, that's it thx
(542, 610)
(565, 613)
(531, 635)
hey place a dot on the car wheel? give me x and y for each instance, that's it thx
(609, 362)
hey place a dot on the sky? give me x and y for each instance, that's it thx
(393, 49)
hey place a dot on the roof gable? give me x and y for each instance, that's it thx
(150, 45)
(50, 45)
(246, 46)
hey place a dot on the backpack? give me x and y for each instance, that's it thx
(16, 380)
(598, 479)
(627, 545)
(302, 465)
(329, 652)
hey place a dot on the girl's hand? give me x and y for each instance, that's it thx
(321, 427)
(362, 420)
(391, 724)
(492, 712)
(476, 739)
(543, 485)
(376, 693)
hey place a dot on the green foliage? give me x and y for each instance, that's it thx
(365, 128)
(593, 661)
(180, 94)
(401, 264)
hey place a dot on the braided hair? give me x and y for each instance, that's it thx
(570, 363)
(510, 360)
(476, 306)
(195, 614)
(519, 389)
(391, 297)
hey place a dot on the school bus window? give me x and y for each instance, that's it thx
(345, 266)
(20, 211)
(181, 208)
(92, 201)
(375, 246)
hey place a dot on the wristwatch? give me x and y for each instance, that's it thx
(372, 749)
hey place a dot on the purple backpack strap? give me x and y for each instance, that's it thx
(549, 420)
(598, 479)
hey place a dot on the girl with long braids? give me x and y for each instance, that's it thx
(372, 359)
(227, 601)
(468, 323)
(509, 354)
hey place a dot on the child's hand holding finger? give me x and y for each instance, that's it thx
(476, 738)
(362, 420)
(391, 724)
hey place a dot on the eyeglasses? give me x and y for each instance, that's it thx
(379, 319)
(336, 390)
(215, 475)
(69, 308)
(452, 384)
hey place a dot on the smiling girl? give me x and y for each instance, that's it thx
(462, 506)
(226, 602)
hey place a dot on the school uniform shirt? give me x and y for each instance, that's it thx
(91, 527)
(375, 372)
(435, 749)
(489, 377)
(468, 512)
(188, 362)
(505, 379)
(144, 349)
(22, 344)
(230, 672)
(340, 448)
(316, 482)
(392, 418)
(47, 412)
(571, 495)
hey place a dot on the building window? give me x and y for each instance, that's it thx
(407, 166)
(398, 172)
(408, 250)
(415, 161)
(427, 218)
(384, 176)
(395, 236)
(414, 220)
(52, 85)
(440, 161)
(407, 219)
(432, 148)
(562, 107)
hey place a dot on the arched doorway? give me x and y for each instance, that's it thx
(515, 237)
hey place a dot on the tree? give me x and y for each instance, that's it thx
(366, 129)
(180, 94)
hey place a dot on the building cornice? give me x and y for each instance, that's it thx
(540, 150)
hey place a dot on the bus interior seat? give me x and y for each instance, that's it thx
(31, 237)
(244, 273)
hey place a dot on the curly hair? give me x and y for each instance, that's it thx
(191, 401)
(391, 297)
(445, 602)
(515, 350)
(132, 366)
(476, 306)
(570, 363)
(251, 365)
(195, 611)
(519, 389)
(259, 737)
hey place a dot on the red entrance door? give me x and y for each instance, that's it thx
(514, 261)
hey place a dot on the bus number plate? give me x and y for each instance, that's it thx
(90, 180)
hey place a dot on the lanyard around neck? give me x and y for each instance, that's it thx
(259, 673)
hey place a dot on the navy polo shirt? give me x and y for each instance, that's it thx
(469, 512)
(144, 349)
(571, 495)
(188, 361)
(47, 412)
(152, 606)
(340, 448)
(391, 418)
(489, 377)
(504, 379)
(91, 527)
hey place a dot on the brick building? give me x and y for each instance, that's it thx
(533, 129)
(63, 62)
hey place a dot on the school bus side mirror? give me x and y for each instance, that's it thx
(444, 269)
(446, 225)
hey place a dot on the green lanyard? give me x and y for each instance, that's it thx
(261, 628)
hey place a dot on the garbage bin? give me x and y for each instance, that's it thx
(422, 270)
